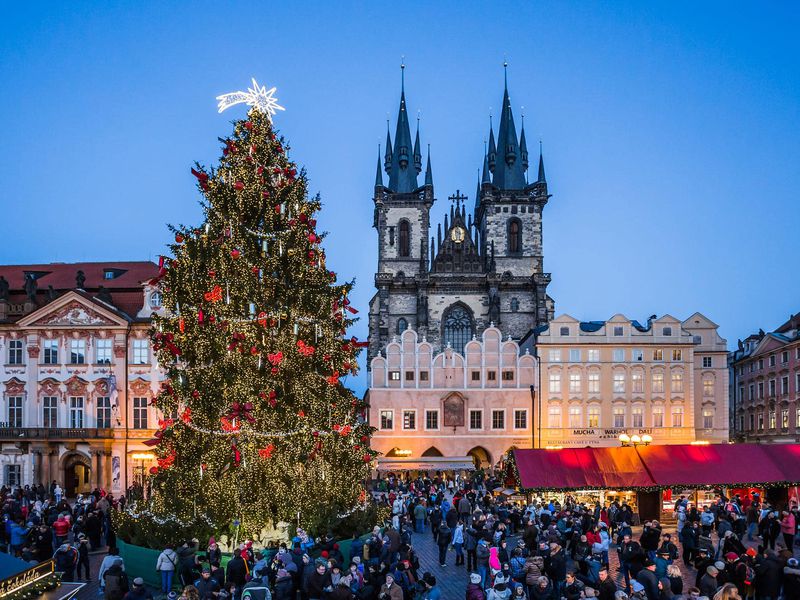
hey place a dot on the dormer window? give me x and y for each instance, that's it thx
(155, 300)
(667, 332)
(109, 274)
(565, 331)
(618, 331)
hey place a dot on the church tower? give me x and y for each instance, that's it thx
(402, 220)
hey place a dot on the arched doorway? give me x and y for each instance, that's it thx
(77, 474)
(481, 456)
(432, 451)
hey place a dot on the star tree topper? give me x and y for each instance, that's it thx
(258, 96)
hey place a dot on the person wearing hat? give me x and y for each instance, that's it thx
(207, 586)
(432, 591)
(115, 581)
(791, 579)
(708, 582)
(138, 591)
(284, 585)
(83, 556)
(66, 557)
(474, 587)
(390, 590)
(648, 579)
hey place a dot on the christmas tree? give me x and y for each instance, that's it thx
(258, 427)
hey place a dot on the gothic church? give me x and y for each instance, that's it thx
(477, 269)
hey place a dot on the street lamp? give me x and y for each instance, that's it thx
(624, 439)
(635, 439)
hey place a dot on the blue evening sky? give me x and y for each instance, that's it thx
(671, 132)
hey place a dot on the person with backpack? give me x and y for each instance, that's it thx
(115, 581)
(166, 564)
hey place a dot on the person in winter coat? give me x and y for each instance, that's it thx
(500, 590)
(166, 564)
(471, 545)
(482, 558)
(606, 588)
(443, 538)
(543, 590)
(475, 587)
(708, 582)
(390, 590)
(284, 586)
(788, 529)
(236, 572)
(320, 580)
(557, 568)
(83, 556)
(791, 579)
(458, 543)
(207, 586)
(115, 581)
(769, 571)
(534, 569)
(66, 557)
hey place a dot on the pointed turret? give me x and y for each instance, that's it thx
(523, 147)
(485, 178)
(541, 178)
(403, 176)
(417, 153)
(378, 174)
(387, 159)
(492, 154)
(508, 173)
(428, 171)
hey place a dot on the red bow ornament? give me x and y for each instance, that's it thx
(305, 349)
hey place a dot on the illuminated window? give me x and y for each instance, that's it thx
(554, 355)
(594, 416)
(555, 383)
(619, 383)
(784, 418)
(394, 375)
(387, 419)
(677, 382)
(593, 355)
(637, 383)
(761, 421)
(708, 418)
(677, 355)
(708, 387)
(772, 419)
(677, 416)
(409, 419)
(658, 416)
(575, 416)
(658, 383)
(574, 383)
(594, 383)
(619, 416)
(637, 416)
(458, 327)
(554, 417)
(658, 355)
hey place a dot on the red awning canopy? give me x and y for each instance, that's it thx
(581, 468)
(658, 466)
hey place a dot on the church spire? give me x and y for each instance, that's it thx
(428, 172)
(541, 178)
(509, 173)
(387, 159)
(523, 146)
(492, 154)
(403, 176)
(417, 153)
(378, 174)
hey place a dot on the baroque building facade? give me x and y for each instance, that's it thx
(765, 388)
(477, 269)
(78, 374)
(667, 379)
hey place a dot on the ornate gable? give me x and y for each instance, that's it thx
(457, 251)
(72, 310)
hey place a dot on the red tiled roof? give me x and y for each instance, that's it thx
(62, 275)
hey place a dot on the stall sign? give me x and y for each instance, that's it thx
(25, 578)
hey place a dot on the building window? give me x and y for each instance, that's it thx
(594, 383)
(409, 375)
(409, 419)
(508, 375)
(637, 416)
(619, 416)
(476, 375)
(554, 355)
(677, 355)
(15, 411)
(50, 412)
(498, 419)
(761, 421)
(103, 351)
(637, 355)
(594, 416)
(618, 331)
(520, 419)
(431, 419)
(760, 389)
(141, 354)
(797, 418)
(394, 375)
(140, 413)
(667, 332)
(555, 383)
(797, 385)
(593, 355)
(554, 417)
(619, 355)
(751, 389)
(658, 355)
(760, 363)
(155, 300)
(514, 236)
(784, 418)
(404, 238)
(564, 331)
(50, 348)
(76, 412)
(707, 362)
(772, 388)
(12, 475)
(77, 352)
(658, 416)
(677, 416)
(785, 356)
(658, 383)
(574, 383)
(387, 419)
(708, 418)
(772, 360)
(752, 422)
(574, 355)
(402, 325)
(575, 416)
(458, 327)
(708, 387)
(423, 376)
(491, 375)
(15, 352)
(785, 386)
(697, 339)
(514, 305)
(772, 419)
(619, 383)
(637, 383)
(677, 382)
(104, 412)
(476, 419)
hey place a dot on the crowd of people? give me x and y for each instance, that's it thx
(735, 548)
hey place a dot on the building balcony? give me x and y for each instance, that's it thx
(54, 433)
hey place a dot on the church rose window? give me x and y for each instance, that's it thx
(405, 239)
(457, 328)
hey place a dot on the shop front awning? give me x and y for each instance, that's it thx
(679, 465)
(426, 463)
(581, 468)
